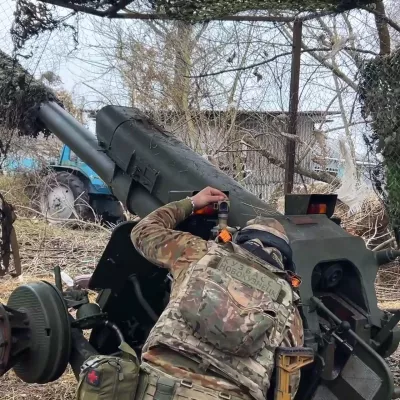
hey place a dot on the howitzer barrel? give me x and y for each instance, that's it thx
(143, 164)
(85, 145)
(79, 139)
(161, 163)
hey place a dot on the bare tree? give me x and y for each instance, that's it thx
(228, 67)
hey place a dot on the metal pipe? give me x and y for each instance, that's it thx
(161, 164)
(117, 331)
(384, 257)
(143, 302)
(57, 277)
(179, 172)
(81, 350)
(140, 202)
(320, 305)
(130, 148)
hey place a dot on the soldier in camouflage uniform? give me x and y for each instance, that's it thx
(228, 312)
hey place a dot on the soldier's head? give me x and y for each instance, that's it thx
(266, 238)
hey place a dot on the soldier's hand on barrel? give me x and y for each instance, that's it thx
(207, 196)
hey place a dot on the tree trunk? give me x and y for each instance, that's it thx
(382, 27)
(182, 69)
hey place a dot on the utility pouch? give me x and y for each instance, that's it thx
(104, 377)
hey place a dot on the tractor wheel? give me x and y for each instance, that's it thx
(64, 196)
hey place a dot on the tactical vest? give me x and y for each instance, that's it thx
(231, 312)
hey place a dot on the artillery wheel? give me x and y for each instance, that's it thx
(50, 338)
(64, 196)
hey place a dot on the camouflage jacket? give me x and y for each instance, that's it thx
(155, 238)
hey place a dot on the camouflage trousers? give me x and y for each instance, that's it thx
(156, 384)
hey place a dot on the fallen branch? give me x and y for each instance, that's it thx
(384, 244)
(65, 221)
(319, 176)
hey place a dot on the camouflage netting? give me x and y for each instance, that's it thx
(380, 98)
(20, 98)
(34, 18)
(200, 10)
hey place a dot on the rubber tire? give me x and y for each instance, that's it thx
(78, 189)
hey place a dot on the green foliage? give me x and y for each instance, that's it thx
(393, 187)
(20, 98)
(380, 97)
(201, 10)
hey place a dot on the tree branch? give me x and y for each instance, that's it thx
(201, 31)
(352, 54)
(248, 18)
(327, 65)
(384, 17)
(156, 29)
(319, 176)
(339, 128)
(288, 53)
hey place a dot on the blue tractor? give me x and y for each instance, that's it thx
(72, 190)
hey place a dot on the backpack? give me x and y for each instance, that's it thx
(104, 377)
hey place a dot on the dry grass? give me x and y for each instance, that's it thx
(77, 251)
(43, 247)
(388, 286)
(15, 188)
(12, 388)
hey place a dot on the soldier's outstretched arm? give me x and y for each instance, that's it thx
(155, 239)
